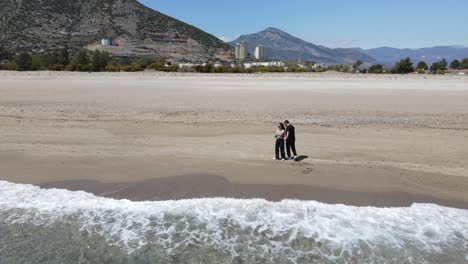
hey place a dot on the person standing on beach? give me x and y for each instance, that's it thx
(279, 144)
(290, 139)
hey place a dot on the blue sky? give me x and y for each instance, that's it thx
(333, 23)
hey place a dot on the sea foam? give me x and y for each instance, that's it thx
(289, 231)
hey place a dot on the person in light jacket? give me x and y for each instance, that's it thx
(279, 143)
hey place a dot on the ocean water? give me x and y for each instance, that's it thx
(61, 226)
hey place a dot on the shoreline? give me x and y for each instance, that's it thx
(145, 178)
(210, 186)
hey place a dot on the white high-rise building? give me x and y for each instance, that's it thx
(241, 50)
(259, 52)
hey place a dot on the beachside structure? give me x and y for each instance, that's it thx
(318, 65)
(186, 65)
(259, 52)
(459, 72)
(108, 42)
(241, 50)
(266, 64)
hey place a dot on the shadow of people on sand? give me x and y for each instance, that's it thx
(301, 158)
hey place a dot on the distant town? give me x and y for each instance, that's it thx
(101, 57)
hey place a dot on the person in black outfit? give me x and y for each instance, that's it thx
(290, 139)
(279, 144)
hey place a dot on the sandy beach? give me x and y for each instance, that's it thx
(373, 140)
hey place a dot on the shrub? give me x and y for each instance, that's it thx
(71, 67)
(5, 54)
(64, 56)
(345, 68)
(420, 71)
(143, 61)
(137, 67)
(376, 69)
(339, 68)
(208, 68)
(403, 66)
(24, 61)
(439, 67)
(455, 64)
(320, 69)
(51, 58)
(464, 64)
(83, 67)
(126, 68)
(57, 67)
(158, 66)
(422, 65)
(12, 66)
(237, 69)
(112, 68)
(81, 57)
(295, 69)
(268, 69)
(174, 68)
(37, 63)
(221, 69)
(198, 68)
(99, 61)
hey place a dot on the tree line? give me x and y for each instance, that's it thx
(56, 60)
(405, 66)
(85, 61)
(80, 61)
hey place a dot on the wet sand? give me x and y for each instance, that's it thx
(211, 186)
(370, 140)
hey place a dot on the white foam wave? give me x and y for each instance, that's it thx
(338, 230)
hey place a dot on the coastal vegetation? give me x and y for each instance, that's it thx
(376, 69)
(403, 66)
(422, 65)
(66, 59)
(439, 67)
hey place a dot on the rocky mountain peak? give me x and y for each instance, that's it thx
(281, 45)
(39, 25)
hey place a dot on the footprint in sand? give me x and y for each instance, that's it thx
(308, 170)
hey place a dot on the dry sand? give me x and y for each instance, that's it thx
(370, 140)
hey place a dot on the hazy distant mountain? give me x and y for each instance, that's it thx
(38, 25)
(283, 46)
(388, 55)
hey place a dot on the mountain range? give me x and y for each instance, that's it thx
(39, 25)
(279, 45)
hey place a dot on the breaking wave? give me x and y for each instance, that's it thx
(61, 226)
